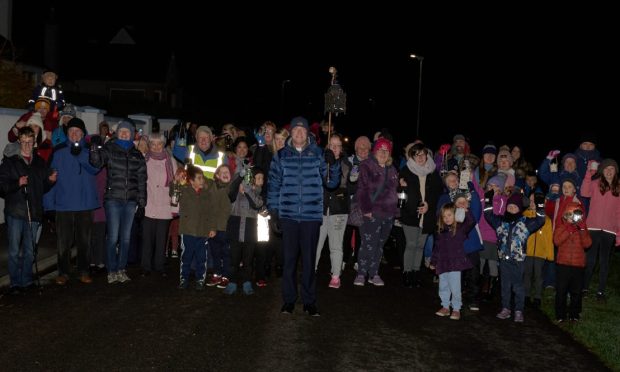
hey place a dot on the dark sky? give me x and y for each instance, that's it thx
(515, 75)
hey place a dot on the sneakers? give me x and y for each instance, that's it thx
(247, 288)
(261, 283)
(335, 282)
(112, 278)
(230, 289)
(86, 279)
(215, 280)
(519, 316)
(61, 280)
(474, 306)
(444, 311)
(174, 254)
(183, 284)
(504, 314)
(377, 281)
(122, 277)
(223, 283)
(311, 310)
(600, 296)
(359, 280)
(200, 285)
(456, 315)
(287, 308)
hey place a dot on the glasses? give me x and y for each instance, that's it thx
(29, 143)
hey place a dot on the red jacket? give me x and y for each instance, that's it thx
(572, 243)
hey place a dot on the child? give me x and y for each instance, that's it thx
(539, 251)
(512, 231)
(242, 229)
(572, 238)
(193, 226)
(48, 88)
(219, 211)
(449, 258)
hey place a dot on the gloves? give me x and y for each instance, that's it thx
(76, 149)
(330, 157)
(96, 141)
(139, 212)
(539, 200)
(552, 154)
(459, 216)
(274, 223)
(488, 198)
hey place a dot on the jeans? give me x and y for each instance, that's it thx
(21, 253)
(119, 216)
(450, 290)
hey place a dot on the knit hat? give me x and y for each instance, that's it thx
(35, 119)
(127, 124)
(458, 137)
(516, 199)
(568, 179)
(382, 144)
(569, 156)
(489, 148)
(204, 128)
(498, 180)
(588, 137)
(42, 102)
(76, 123)
(607, 163)
(505, 154)
(299, 121)
(68, 110)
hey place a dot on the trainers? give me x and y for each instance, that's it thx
(112, 278)
(223, 283)
(519, 316)
(183, 284)
(474, 306)
(335, 282)
(359, 280)
(377, 281)
(200, 285)
(444, 311)
(61, 280)
(287, 308)
(311, 310)
(174, 254)
(600, 296)
(122, 277)
(456, 315)
(86, 279)
(355, 267)
(504, 314)
(215, 280)
(261, 283)
(247, 288)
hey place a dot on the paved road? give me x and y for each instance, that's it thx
(149, 324)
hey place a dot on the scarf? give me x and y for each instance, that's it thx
(163, 155)
(125, 144)
(421, 170)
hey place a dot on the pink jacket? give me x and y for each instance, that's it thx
(157, 197)
(604, 213)
(487, 233)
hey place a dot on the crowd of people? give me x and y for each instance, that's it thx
(232, 207)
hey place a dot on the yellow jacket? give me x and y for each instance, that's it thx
(540, 243)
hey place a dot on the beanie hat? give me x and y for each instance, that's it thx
(204, 128)
(383, 144)
(127, 124)
(588, 137)
(569, 156)
(69, 110)
(299, 121)
(42, 102)
(568, 179)
(505, 154)
(458, 137)
(77, 123)
(516, 199)
(498, 180)
(35, 119)
(489, 148)
(608, 163)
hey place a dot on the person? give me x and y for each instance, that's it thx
(572, 238)
(376, 195)
(51, 90)
(448, 259)
(125, 193)
(24, 179)
(218, 247)
(73, 197)
(513, 230)
(204, 154)
(296, 178)
(604, 225)
(59, 135)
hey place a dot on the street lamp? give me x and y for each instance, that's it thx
(421, 59)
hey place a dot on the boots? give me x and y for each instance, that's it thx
(408, 279)
(493, 288)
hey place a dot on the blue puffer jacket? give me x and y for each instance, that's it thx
(296, 182)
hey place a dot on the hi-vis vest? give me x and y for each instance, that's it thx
(209, 166)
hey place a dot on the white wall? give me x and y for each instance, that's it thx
(8, 117)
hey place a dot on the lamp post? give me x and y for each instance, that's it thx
(421, 59)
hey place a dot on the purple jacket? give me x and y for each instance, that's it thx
(449, 251)
(371, 177)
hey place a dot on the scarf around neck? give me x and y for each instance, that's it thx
(421, 170)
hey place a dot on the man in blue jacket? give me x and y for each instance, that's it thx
(73, 197)
(295, 194)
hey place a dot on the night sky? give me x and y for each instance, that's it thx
(522, 75)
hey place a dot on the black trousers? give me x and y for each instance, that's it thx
(241, 253)
(73, 229)
(154, 235)
(569, 279)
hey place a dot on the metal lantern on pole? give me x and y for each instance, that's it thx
(421, 59)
